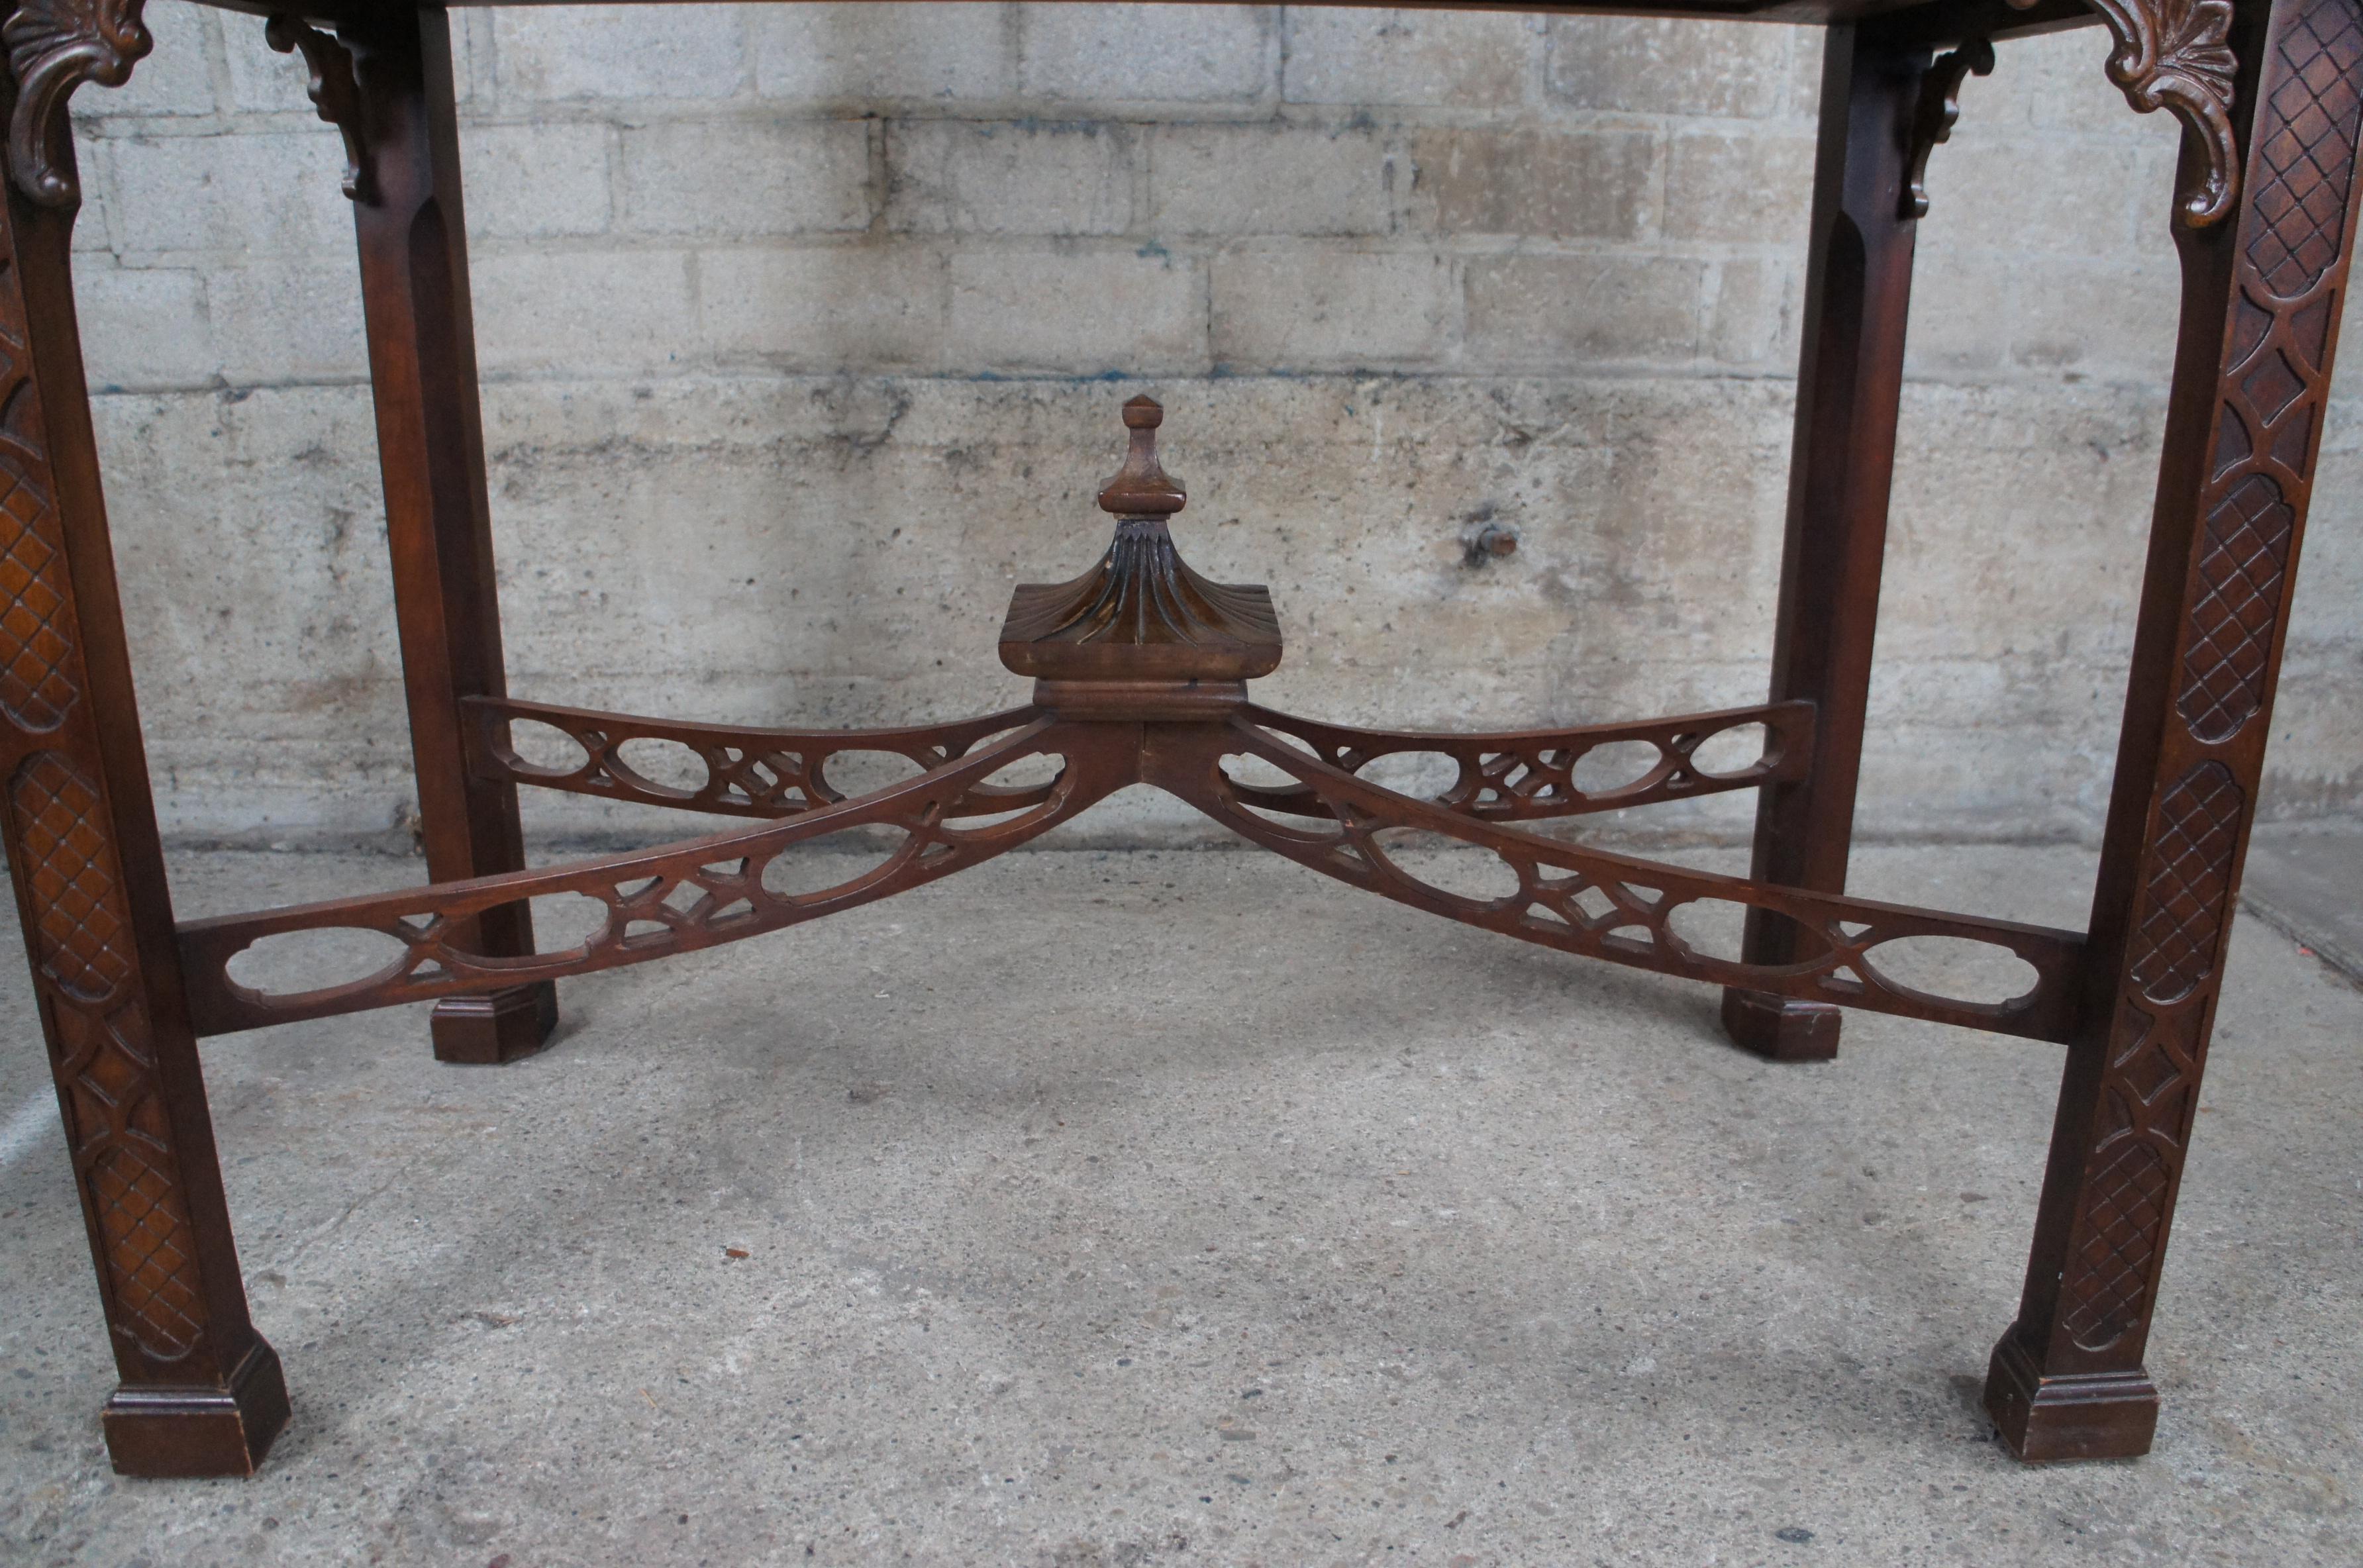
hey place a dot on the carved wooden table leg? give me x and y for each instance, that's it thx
(388, 88)
(200, 1392)
(1857, 290)
(2261, 301)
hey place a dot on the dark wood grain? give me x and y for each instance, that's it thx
(1858, 297)
(679, 897)
(412, 233)
(1141, 668)
(749, 771)
(1526, 775)
(200, 1391)
(1141, 614)
(1602, 905)
(703, 893)
(2260, 312)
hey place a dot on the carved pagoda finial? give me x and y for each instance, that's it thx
(55, 46)
(1141, 614)
(1142, 488)
(2177, 55)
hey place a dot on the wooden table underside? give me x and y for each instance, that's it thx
(2270, 95)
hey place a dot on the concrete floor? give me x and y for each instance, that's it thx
(1107, 1208)
(2306, 879)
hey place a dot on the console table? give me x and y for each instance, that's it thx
(1141, 668)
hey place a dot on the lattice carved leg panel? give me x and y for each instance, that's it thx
(2244, 429)
(201, 1393)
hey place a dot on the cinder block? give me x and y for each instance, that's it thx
(2062, 464)
(261, 80)
(1265, 180)
(1803, 100)
(2004, 102)
(1406, 57)
(1562, 312)
(174, 79)
(1630, 409)
(1075, 311)
(268, 193)
(537, 182)
(475, 58)
(998, 177)
(276, 321)
(2055, 197)
(1657, 66)
(824, 308)
(1549, 184)
(620, 52)
(144, 328)
(846, 54)
(2065, 83)
(623, 313)
(737, 177)
(1687, 548)
(1319, 307)
(2156, 189)
(2112, 321)
(1961, 303)
(1169, 54)
(1751, 314)
(1751, 188)
(90, 232)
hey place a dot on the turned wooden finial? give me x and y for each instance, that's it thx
(1141, 615)
(1141, 488)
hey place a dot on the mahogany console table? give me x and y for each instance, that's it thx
(1141, 667)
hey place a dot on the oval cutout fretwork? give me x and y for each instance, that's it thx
(1727, 753)
(1953, 968)
(853, 774)
(1422, 775)
(545, 750)
(1616, 765)
(668, 766)
(832, 863)
(296, 963)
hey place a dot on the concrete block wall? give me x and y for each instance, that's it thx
(803, 328)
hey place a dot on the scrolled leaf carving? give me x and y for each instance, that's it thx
(1936, 115)
(55, 46)
(2177, 55)
(333, 90)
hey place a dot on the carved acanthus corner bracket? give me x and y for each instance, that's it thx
(55, 46)
(333, 90)
(1933, 116)
(2177, 55)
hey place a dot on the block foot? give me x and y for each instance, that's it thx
(489, 1029)
(2052, 1420)
(1780, 1030)
(187, 1432)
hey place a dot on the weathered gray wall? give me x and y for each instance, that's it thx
(804, 329)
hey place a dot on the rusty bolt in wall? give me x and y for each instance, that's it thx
(1486, 539)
